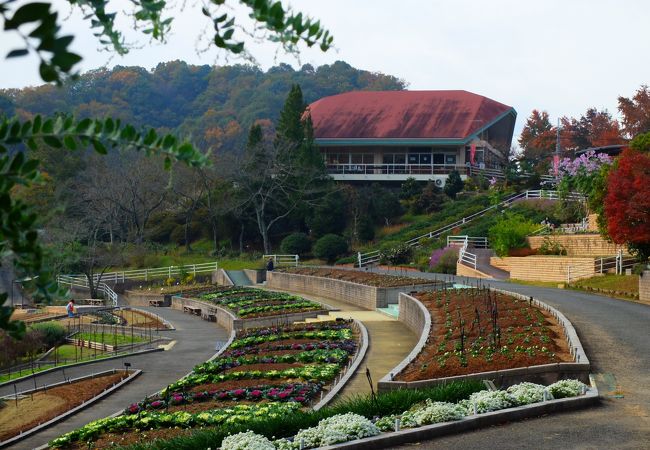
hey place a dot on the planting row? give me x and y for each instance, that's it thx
(480, 330)
(367, 278)
(350, 426)
(279, 368)
(251, 303)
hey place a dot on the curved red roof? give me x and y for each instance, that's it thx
(403, 115)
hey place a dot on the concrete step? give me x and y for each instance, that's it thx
(483, 256)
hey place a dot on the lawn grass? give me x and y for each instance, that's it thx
(69, 351)
(627, 285)
(110, 339)
(24, 372)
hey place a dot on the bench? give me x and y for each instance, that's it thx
(210, 315)
(94, 301)
(156, 302)
(192, 310)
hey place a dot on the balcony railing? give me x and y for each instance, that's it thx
(408, 169)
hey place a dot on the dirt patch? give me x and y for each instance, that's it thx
(476, 331)
(138, 319)
(240, 384)
(113, 440)
(46, 405)
(367, 278)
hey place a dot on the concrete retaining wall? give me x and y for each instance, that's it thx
(579, 244)
(256, 276)
(230, 322)
(542, 374)
(546, 268)
(644, 286)
(464, 271)
(137, 298)
(222, 278)
(366, 297)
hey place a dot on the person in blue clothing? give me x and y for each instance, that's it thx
(70, 308)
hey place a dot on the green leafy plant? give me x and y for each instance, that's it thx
(510, 232)
(330, 247)
(296, 244)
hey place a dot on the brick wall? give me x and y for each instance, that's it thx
(549, 268)
(644, 286)
(579, 244)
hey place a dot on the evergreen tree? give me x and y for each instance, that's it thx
(454, 184)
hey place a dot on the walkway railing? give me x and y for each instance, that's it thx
(616, 263)
(152, 273)
(283, 260)
(364, 259)
(82, 281)
(471, 241)
(465, 257)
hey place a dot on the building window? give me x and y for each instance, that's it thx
(450, 160)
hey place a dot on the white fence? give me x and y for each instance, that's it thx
(607, 264)
(82, 281)
(283, 260)
(470, 241)
(152, 273)
(465, 257)
(368, 258)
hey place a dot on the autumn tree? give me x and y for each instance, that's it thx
(593, 129)
(627, 204)
(635, 112)
(537, 138)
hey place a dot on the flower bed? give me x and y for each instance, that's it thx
(479, 330)
(251, 303)
(350, 427)
(284, 367)
(354, 276)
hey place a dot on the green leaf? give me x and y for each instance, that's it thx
(83, 126)
(18, 52)
(52, 141)
(69, 142)
(36, 126)
(99, 147)
(47, 72)
(31, 12)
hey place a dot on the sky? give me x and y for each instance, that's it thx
(558, 56)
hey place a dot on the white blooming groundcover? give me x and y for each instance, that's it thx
(350, 426)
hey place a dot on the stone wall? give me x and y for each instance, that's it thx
(546, 268)
(366, 297)
(579, 244)
(644, 286)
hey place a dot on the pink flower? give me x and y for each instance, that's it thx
(300, 399)
(256, 393)
(134, 408)
(283, 395)
(239, 392)
(157, 404)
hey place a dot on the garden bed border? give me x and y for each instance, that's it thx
(168, 325)
(468, 423)
(230, 322)
(362, 295)
(547, 372)
(132, 375)
(351, 369)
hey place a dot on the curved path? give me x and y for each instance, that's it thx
(196, 341)
(616, 336)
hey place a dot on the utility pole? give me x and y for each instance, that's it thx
(556, 156)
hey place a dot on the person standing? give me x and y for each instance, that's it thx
(269, 265)
(70, 308)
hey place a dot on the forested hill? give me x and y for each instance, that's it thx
(215, 106)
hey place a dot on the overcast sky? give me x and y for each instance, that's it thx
(559, 56)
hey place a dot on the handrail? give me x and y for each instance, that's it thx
(279, 260)
(102, 287)
(465, 257)
(472, 241)
(151, 273)
(368, 258)
(602, 265)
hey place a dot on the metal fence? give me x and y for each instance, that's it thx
(616, 264)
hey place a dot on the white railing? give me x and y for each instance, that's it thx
(152, 273)
(372, 257)
(471, 241)
(575, 227)
(283, 260)
(82, 281)
(616, 264)
(465, 257)
(411, 169)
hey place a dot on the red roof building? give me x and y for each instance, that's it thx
(392, 135)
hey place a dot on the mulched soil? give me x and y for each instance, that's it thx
(140, 320)
(368, 278)
(264, 367)
(283, 312)
(520, 323)
(39, 410)
(113, 440)
(240, 384)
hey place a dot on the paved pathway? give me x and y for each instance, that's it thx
(389, 343)
(616, 336)
(195, 339)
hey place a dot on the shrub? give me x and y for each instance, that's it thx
(510, 232)
(453, 184)
(329, 247)
(53, 333)
(443, 260)
(551, 247)
(401, 254)
(295, 244)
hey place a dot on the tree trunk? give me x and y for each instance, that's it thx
(241, 240)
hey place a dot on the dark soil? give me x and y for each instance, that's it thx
(519, 325)
(367, 278)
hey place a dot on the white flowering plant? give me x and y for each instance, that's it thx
(567, 388)
(247, 441)
(487, 401)
(526, 393)
(336, 429)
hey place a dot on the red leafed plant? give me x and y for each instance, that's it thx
(627, 204)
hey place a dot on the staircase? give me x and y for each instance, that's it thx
(238, 277)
